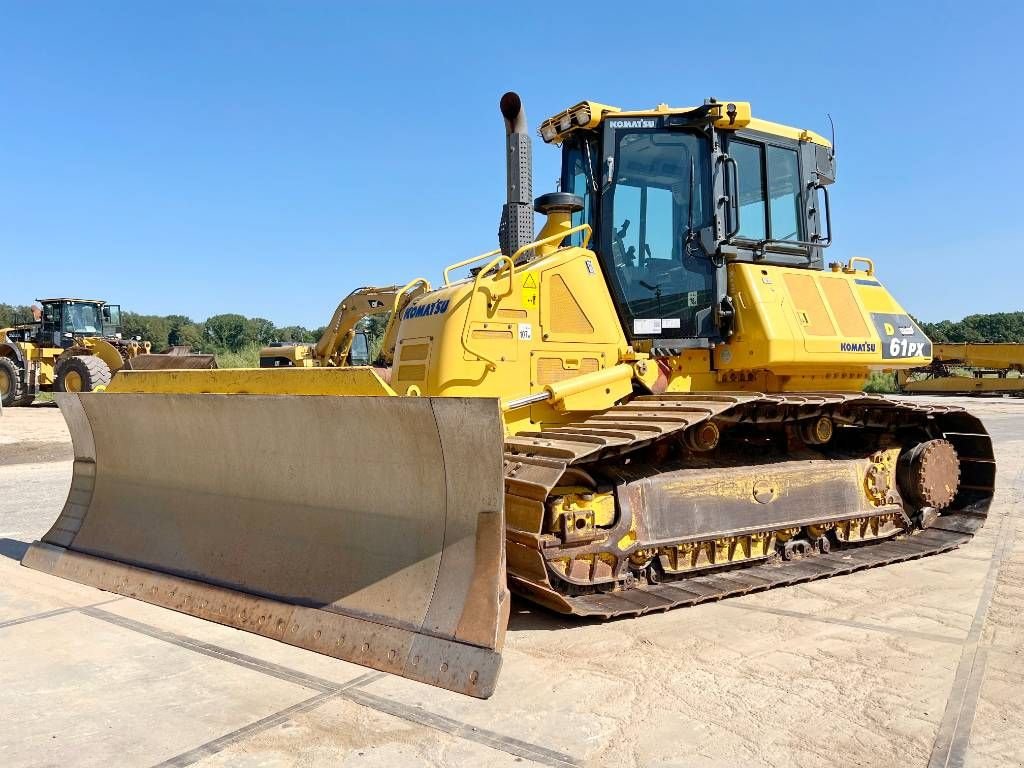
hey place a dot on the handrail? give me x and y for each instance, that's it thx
(409, 286)
(491, 365)
(510, 261)
(870, 264)
(556, 238)
(467, 262)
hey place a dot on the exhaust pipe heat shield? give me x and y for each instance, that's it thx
(367, 528)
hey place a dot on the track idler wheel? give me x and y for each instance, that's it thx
(817, 431)
(928, 474)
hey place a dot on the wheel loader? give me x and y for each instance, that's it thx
(653, 402)
(75, 345)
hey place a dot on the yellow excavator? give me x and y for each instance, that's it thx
(654, 402)
(971, 368)
(341, 343)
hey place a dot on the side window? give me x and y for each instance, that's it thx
(750, 166)
(580, 185)
(625, 232)
(784, 185)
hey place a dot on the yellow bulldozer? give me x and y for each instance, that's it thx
(971, 368)
(654, 402)
(75, 345)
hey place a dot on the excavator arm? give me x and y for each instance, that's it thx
(334, 345)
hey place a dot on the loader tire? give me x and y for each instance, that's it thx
(10, 383)
(82, 373)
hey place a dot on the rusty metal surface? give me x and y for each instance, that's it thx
(689, 504)
(931, 473)
(270, 499)
(533, 467)
(155, 362)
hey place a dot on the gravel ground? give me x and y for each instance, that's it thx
(915, 664)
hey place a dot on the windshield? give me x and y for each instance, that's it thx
(81, 317)
(659, 201)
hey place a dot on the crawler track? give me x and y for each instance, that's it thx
(535, 463)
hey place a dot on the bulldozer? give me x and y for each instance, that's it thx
(969, 368)
(75, 345)
(654, 402)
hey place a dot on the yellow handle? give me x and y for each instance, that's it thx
(491, 365)
(408, 287)
(556, 238)
(864, 259)
(466, 262)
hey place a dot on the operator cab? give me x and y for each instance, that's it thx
(672, 196)
(64, 320)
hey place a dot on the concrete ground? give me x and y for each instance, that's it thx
(916, 664)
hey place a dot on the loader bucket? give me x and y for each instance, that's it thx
(366, 528)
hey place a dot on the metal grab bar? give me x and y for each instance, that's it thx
(491, 364)
(732, 185)
(510, 262)
(556, 238)
(409, 286)
(870, 264)
(467, 262)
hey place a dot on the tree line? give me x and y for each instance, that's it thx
(1005, 327)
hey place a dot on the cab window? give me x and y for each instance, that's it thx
(769, 191)
(750, 167)
(784, 196)
(580, 181)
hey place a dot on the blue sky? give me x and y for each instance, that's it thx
(266, 157)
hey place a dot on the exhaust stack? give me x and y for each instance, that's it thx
(516, 228)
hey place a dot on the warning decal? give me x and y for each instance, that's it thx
(530, 291)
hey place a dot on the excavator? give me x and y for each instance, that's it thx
(654, 402)
(986, 366)
(341, 343)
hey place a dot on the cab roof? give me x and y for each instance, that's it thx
(725, 115)
(64, 298)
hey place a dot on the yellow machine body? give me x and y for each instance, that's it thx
(519, 330)
(565, 415)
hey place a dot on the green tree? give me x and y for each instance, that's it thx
(260, 331)
(15, 314)
(297, 334)
(227, 332)
(151, 328)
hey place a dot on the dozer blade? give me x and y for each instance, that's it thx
(366, 528)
